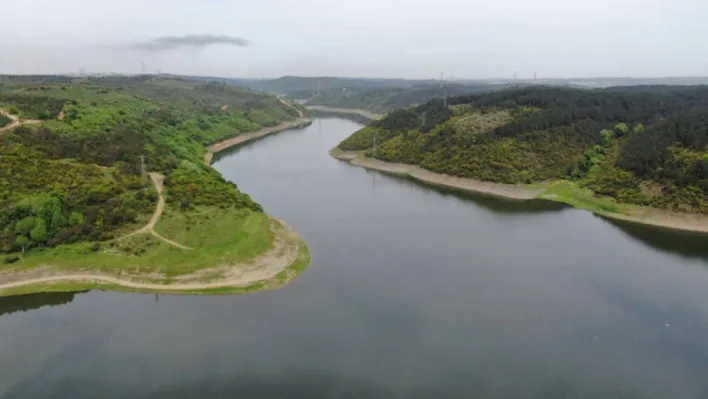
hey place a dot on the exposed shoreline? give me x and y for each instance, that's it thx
(246, 137)
(358, 115)
(272, 269)
(688, 222)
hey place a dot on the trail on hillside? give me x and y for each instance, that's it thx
(157, 181)
(288, 104)
(285, 251)
(16, 122)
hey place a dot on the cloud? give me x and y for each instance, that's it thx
(166, 43)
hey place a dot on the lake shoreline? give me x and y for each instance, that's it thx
(285, 261)
(246, 137)
(357, 115)
(578, 198)
(274, 269)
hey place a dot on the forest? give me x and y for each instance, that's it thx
(387, 99)
(644, 145)
(78, 175)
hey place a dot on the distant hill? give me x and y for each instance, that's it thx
(387, 99)
(645, 145)
(293, 84)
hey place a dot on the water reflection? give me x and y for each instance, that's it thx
(24, 303)
(488, 202)
(685, 244)
(300, 384)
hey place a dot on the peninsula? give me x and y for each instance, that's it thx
(105, 186)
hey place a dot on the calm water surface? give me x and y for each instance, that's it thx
(412, 293)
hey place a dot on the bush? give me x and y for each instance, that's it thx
(8, 260)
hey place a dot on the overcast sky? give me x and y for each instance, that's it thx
(384, 38)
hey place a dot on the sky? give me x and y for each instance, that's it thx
(374, 38)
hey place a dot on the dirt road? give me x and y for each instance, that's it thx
(158, 181)
(16, 121)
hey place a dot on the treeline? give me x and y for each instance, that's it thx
(644, 145)
(32, 106)
(81, 178)
(387, 99)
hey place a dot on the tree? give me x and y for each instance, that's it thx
(621, 129)
(76, 218)
(24, 226)
(39, 233)
(23, 242)
(608, 137)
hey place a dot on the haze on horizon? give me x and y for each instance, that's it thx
(375, 38)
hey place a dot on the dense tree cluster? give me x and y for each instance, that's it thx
(80, 178)
(32, 106)
(645, 145)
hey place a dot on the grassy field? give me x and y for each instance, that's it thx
(582, 198)
(287, 275)
(242, 235)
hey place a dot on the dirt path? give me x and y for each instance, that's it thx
(284, 253)
(287, 104)
(158, 181)
(16, 122)
(242, 138)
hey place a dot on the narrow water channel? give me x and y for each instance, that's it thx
(413, 292)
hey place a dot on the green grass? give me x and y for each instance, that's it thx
(217, 236)
(570, 193)
(287, 275)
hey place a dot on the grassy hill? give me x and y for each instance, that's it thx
(73, 184)
(645, 145)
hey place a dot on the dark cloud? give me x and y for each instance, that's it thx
(190, 41)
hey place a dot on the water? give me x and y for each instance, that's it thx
(412, 293)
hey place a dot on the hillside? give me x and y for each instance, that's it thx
(644, 145)
(387, 99)
(75, 191)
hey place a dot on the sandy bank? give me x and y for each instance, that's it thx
(246, 137)
(689, 222)
(510, 191)
(271, 269)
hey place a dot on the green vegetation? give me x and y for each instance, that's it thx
(635, 145)
(287, 275)
(4, 121)
(77, 182)
(387, 99)
(242, 234)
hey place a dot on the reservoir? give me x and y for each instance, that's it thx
(412, 292)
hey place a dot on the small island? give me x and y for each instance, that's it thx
(633, 153)
(106, 184)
